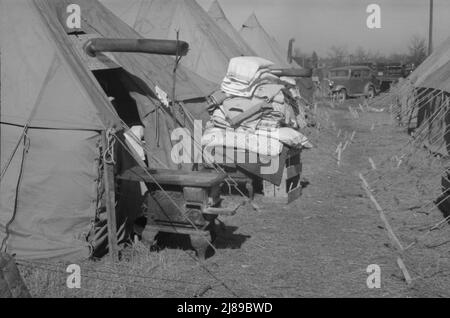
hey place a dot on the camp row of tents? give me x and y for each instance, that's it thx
(423, 101)
(57, 115)
(212, 38)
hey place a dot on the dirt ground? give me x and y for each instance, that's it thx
(318, 246)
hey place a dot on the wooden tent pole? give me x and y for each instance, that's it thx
(108, 179)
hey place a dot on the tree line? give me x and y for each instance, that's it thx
(339, 55)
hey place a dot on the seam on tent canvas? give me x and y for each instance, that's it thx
(79, 72)
(26, 147)
(51, 71)
(49, 128)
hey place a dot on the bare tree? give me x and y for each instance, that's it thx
(361, 55)
(417, 49)
(337, 55)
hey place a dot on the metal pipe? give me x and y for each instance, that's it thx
(149, 46)
(290, 54)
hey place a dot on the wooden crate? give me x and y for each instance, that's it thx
(290, 188)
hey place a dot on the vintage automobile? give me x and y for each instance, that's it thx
(352, 81)
(389, 74)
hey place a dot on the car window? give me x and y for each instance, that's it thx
(356, 73)
(365, 73)
(339, 73)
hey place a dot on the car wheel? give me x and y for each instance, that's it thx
(371, 92)
(342, 95)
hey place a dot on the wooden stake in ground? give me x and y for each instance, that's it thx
(372, 163)
(353, 112)
(389, 229)
(345, 145)
(108, 179)
(405, 272)
(339, 153)
(360, 107)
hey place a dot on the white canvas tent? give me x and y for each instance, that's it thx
(210, 47)
(423, 101)
(262, 43)
(265, 46)
(216, 13)
(54, 110)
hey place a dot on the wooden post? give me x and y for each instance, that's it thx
(110, 201)
(372, 163)
(345, 145)
(339, 155)
(391, 234)
(388, 227)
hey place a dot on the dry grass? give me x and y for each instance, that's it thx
(319, 246)
(141, 273)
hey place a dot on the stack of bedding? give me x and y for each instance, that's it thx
(257, 112)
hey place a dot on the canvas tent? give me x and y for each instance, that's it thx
(423, 105)
(265, 46)
(210, 47)
(216, 13)
(435, 61)
(53, 111)
(423, 100)
(262, 43)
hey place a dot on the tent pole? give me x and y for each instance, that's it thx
(108, 179)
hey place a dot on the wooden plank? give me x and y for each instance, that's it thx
(110, 202)
(174, 177)
(281, 190)
(405, 272)
(389, 229)
(291, 178)
(268, 189)
(294, 194)
(175, 229)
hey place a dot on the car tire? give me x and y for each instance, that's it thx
(342, 95)
(371, 92)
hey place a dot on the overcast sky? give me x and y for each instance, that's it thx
(318, 24)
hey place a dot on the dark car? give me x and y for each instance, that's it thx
(354, 80)
(390, 74)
